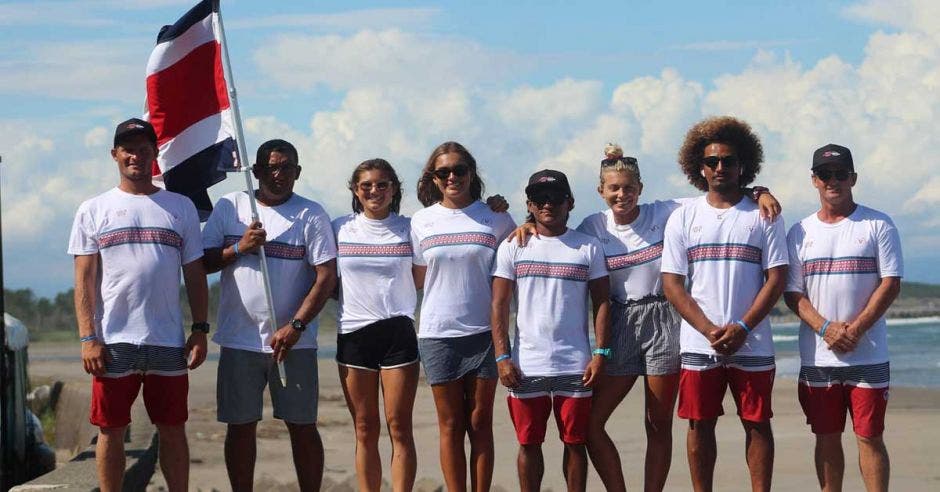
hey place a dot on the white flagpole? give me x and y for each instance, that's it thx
(249, 187)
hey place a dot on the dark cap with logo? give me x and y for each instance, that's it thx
(548, 180)
(134, 126)
(833, 154)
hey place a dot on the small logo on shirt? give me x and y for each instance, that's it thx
(861, 240)
(121, 213)
(697, 229)
(750, 228)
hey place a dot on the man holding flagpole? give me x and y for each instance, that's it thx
(129, 245)
(300, 249)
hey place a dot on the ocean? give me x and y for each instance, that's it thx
(914, 346)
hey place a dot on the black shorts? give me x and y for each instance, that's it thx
(385, 344)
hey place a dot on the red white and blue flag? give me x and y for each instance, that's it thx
(189, 107)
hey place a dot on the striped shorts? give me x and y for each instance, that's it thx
(644, 338)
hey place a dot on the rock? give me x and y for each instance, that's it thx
(428, 485)
(38, 399)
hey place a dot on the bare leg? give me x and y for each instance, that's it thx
(661, 394)
(399, 386)
(174, 456)
(452, 426)
(480, 394)
(109, 457)
(607, 395)
(575, 464)
(240, 454)
(531, 467)
(830, 462)
(874, 463)
(361, 389)
(759, 449)
(308, 455)
(702, 452)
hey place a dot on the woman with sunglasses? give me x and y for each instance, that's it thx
(455, 240)
(644, 336)
(376, 337)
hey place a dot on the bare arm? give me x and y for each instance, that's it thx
(600, 300)
(197, 291)
(94, 354)
(499, 320)
(216, 259)
(885, 294)
(286, 336)
(418, 272)
(836, 336)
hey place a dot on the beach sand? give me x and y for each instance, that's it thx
(912, 437)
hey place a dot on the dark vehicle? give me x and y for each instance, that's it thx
(22, 450)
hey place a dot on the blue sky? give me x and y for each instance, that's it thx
(525, 85)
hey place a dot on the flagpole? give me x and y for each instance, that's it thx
(249, 187)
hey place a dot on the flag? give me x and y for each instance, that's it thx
(189, 107)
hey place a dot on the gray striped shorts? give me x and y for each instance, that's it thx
(125, 359)
(644, 338)
(450, 359)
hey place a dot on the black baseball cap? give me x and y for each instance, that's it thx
(134, 126)
(548, 179)
(833, 154)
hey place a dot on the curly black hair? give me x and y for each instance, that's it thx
(721, 129)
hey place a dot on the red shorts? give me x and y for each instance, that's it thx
(701, 392)
(825, 404)
(532, 403)
(161, 371)
(165, 398)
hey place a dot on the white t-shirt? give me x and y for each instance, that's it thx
(551, 277)
(724, 253)
(838, 267)
(143, 241)
(299, 236)
(633, 251)
(458, 246)
(374, 266)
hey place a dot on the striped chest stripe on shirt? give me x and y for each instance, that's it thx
(848, 265)
(374, 250)
(563, 271)
(459, 239)
(724, 252)
(140, 235)
(275, 249)
(641, 256)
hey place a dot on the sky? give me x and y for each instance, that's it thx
(525, 85)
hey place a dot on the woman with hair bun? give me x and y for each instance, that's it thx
(455, 239)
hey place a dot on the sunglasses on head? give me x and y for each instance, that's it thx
(612, 161)
(839, 174)
(443, 173)
(726, 161)
(540, 198)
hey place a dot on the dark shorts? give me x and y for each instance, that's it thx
(385, 344)
(243, 375)
(450, 359)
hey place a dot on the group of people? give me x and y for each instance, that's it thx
(680, 291)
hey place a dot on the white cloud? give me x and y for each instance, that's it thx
(97, 137)
(348, 20)
(915, 15)
(386, 58)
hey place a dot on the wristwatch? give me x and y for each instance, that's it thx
(298, 325)
(757, 191)
(200, 327)
(602, 351)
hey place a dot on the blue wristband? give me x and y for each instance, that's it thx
(747, 329)
(89, 338)
(503, 357)
(822, 331)
(235, 247)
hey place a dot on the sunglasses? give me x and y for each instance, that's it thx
(366, 186)
(825, 174)
(726, 161)
(443, 173)
(553, 197)
(274, 170)
(612, 161)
